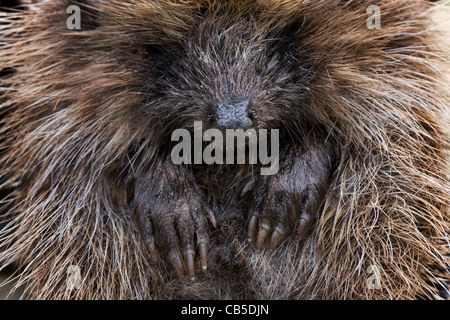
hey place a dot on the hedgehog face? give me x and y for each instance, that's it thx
(233, 71)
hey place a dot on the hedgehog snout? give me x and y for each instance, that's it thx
(237, 115)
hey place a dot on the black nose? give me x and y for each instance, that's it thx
(234, 115)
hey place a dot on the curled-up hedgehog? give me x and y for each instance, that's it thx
(96, 208)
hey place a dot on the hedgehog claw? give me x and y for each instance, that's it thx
(153, 252)
(277, 236)
(190, 254)
(176, 262)
(203, 251)
(303, 222)
(252, 226)
(263, 234)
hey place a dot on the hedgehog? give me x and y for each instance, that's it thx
(94, 206)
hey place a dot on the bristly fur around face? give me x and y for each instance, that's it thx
(84, 112)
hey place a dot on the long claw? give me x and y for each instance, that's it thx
(203, 250)
(249, 186)
(304, 220)
(277, 236)
(153, 252)
(252, 225)
(190, 264)
(263, 233)
(176, 262)
(211, 217)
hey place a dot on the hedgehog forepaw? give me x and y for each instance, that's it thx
(294, 195)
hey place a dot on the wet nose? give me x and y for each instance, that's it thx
(234, 115)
